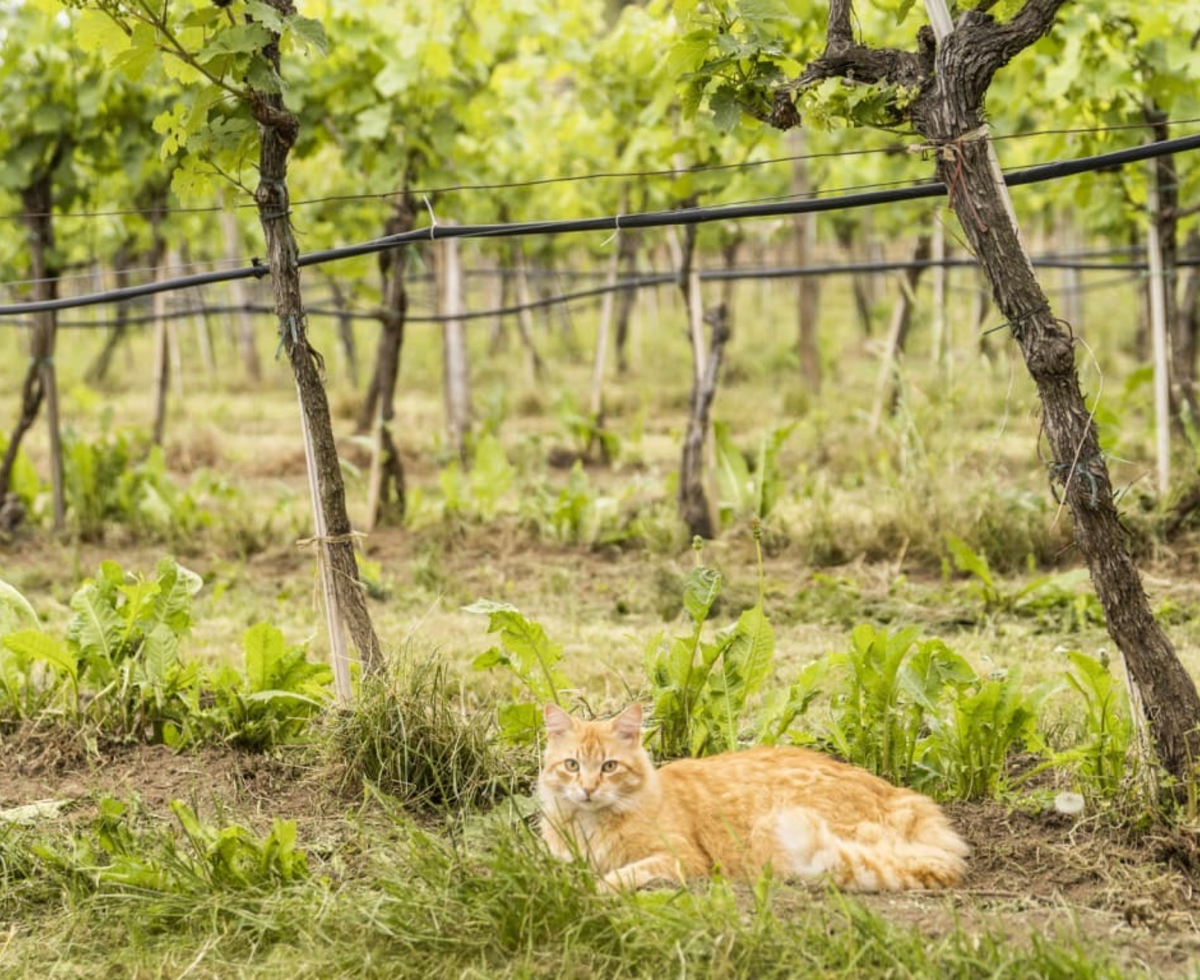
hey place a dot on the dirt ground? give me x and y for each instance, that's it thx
(1136, 893)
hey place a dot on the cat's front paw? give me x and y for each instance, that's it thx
(610, 884)
(642, 874)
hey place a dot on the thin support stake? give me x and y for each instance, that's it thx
(1158, 333)
(333, 615)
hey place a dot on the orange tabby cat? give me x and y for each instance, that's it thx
(802, 813)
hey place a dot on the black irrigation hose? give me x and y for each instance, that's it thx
(621, 285)
(650, 219)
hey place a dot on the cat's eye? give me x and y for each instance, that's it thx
(571, 765)
(610, 765)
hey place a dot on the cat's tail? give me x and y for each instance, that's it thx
(918, 851)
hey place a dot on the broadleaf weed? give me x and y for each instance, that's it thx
(1100, 759)
(701, 690)
(531, 657)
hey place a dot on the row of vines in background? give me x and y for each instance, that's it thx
(615, 111)
(394, 149)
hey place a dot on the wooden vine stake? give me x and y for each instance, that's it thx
(239, 298)
(162, 359)
(941, 276)
(596, 405)
(808, 290)
(456, 378)
(1159, 346)
(345, 600)
(338, 655)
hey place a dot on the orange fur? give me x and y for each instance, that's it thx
(801, 813)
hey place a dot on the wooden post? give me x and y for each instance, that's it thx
(162, 361)
(238, 297)
(941, 278)
(1158, 339)
(804, 230)
(524, 299)
(456, 377)
(627, 247)
(1069, 278)
(602, 331)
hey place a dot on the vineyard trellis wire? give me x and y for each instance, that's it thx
(650, 219)
(648, 280)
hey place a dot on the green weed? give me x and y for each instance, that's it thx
(749, 486)
(481, 493)
(36, 671)
(121, 479)
(1100, 759)
(1060, 603)
(588, 435)
(24, 480)
(120, 670)
(981, 724)
(700, 689)
(532, 658)
(887, 684)
(125, 633)
(272, 701)
(915, 712)
(128, 859)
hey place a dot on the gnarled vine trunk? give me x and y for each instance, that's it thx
(953, 75)
(697, 508)
(389, 495)
(40, 380)
(278, 131)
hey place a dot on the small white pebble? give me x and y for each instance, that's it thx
(1070, 804)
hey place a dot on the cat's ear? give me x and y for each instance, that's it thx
(628, 724)
(558, 722)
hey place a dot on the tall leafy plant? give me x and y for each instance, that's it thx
(531, 657)
(124, 634)
(749, 486)
(701, 689)
(916, 712)
(273, 699)
(37, 672)
(1101, 757)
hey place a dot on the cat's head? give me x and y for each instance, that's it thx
(595, 765)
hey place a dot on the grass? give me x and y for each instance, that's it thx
(423, 905)
(409, 738)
